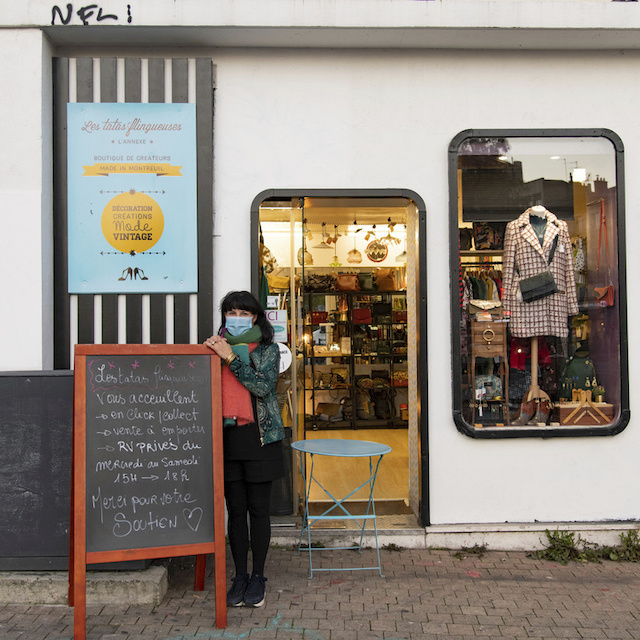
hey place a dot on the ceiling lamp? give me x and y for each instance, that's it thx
(323, 244)
(354, 256)
(389, 239)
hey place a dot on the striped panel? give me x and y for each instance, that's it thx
(133, 318)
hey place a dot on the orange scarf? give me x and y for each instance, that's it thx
(236, 399)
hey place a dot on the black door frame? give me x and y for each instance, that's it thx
(421, 310)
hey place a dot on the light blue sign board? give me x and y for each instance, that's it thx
(137, 154)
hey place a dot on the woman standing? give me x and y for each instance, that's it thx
(253, 433)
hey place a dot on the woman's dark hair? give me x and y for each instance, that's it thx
(246, 301)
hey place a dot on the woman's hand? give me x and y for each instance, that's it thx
(220, 346)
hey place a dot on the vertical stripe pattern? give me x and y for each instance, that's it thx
(133, 318)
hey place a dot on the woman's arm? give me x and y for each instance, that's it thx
(261, 380)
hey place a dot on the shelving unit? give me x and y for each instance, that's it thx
(355, 350)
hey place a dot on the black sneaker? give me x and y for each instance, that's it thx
(254, 594)
(235, 595)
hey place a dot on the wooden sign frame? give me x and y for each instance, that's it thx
(79, 557)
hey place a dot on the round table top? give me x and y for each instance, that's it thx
(341, 448)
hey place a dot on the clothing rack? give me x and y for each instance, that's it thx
(481, 265)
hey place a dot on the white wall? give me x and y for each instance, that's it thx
(25, 201)
(288, 119)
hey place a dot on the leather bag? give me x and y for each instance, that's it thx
(362, 316)
(386, 279)
(604, 296)
(347, 282)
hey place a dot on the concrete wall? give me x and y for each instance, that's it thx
(26, 264)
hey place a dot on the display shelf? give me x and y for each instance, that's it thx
(332, 318)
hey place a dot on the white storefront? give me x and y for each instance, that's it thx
(354, 95)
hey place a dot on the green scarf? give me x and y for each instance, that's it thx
(240, 344)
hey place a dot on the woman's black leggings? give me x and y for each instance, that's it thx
(250, 498)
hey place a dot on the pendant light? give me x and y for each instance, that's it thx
(354, 256)
(323, 244)
(305, 259)
(335, 261)
(389, 239)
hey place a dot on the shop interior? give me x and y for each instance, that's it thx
(338, 267)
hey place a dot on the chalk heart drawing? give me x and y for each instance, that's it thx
(193, 517)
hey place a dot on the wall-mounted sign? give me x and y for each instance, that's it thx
(132, 218)
(278, 320)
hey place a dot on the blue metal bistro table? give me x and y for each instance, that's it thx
(338, 510)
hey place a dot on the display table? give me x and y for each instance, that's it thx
(338, 510)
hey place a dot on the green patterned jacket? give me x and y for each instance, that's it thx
(260, 380)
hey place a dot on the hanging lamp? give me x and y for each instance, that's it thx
(323, 244)
(354, 256)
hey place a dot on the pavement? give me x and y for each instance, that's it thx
(425, 593)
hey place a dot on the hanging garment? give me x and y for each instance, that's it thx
(525, 257)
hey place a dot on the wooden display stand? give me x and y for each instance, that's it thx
(489, 340)
(583, 411)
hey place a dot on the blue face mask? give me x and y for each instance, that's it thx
(237, 325)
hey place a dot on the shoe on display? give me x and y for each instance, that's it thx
(235, 595)
(254, 595)
(543, 412)
(527, 411)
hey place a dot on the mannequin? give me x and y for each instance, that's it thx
(528, 246)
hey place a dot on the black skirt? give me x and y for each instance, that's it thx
(246, 459)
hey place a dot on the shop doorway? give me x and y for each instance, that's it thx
(341, 274)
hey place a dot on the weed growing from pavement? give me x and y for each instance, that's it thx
(391, 547)
(563, 546)
(477, 550)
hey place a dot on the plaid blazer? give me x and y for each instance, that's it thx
(523, 258)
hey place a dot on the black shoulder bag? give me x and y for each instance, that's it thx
(542, 284)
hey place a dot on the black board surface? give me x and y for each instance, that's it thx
(36, 410)
(148, 451)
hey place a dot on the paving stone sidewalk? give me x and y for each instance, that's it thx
(424, 594)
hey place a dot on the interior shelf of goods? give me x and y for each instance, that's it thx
(355, 354)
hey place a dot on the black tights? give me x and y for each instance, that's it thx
(248, 498)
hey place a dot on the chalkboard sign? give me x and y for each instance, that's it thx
(147, 459)
(149, 444)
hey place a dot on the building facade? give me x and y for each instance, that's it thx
(327, 117)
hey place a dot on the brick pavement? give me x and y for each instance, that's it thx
(424, 594)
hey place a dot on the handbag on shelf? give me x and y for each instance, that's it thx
(386, 279)
(319, 282)
(362, 315)
(366, 280)
(347, 282)
(604, 296)
(329, 411)
(543, 284)
(277, 283)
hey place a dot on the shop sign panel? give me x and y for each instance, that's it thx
(132, 217)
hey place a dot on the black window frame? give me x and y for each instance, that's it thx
(454, 263)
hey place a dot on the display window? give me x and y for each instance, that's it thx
(537, 235)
